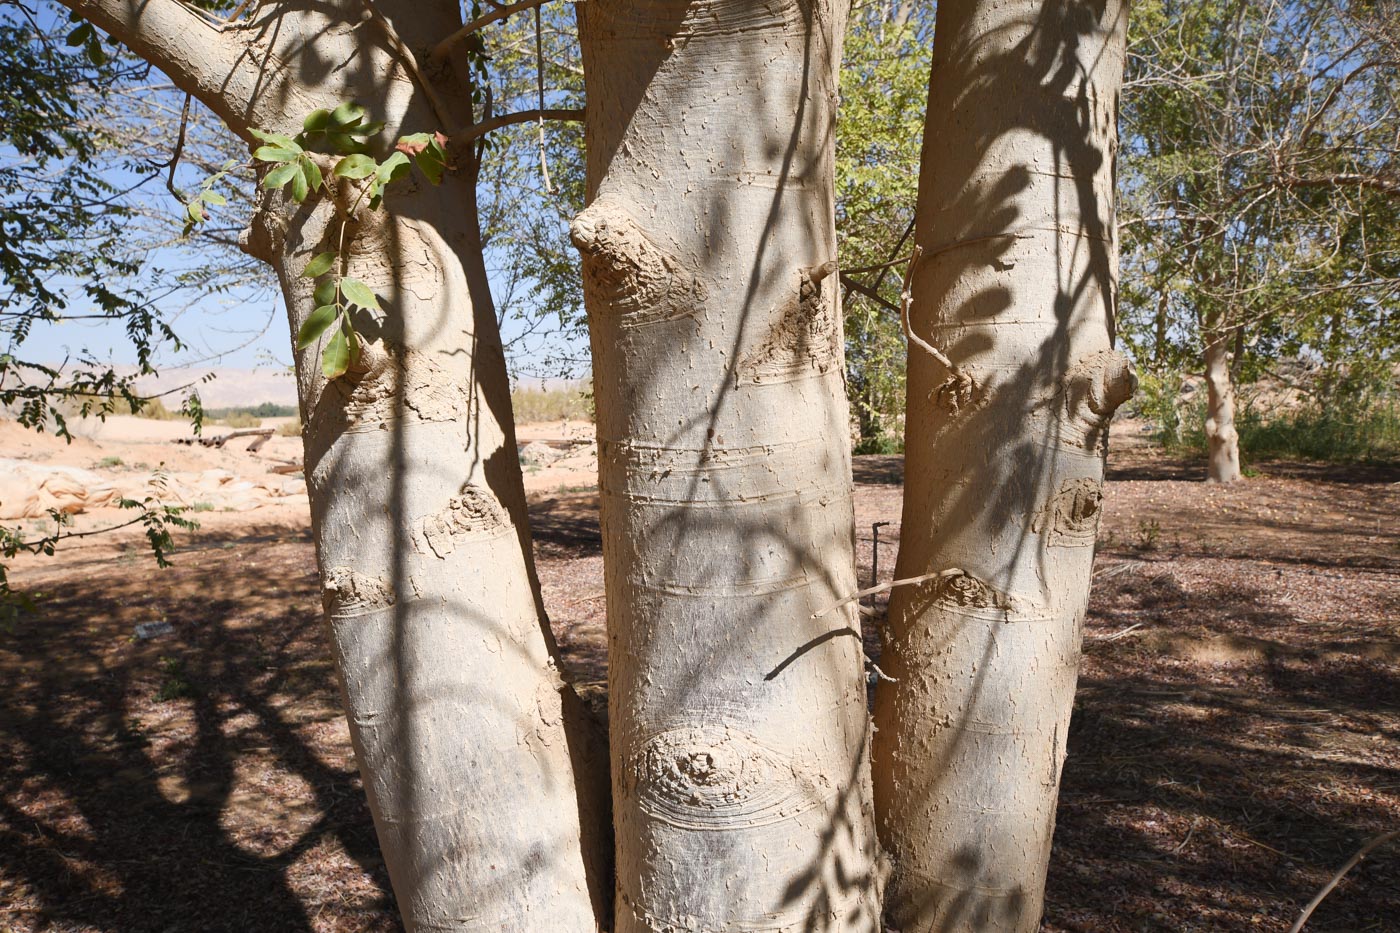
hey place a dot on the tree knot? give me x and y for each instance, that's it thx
(1092, 391)
(626, 274)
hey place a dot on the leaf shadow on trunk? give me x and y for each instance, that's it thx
(417, 750)
(1020, 83)
(731, 518)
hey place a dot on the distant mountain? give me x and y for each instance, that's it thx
(229, 388)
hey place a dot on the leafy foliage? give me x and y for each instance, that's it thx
(63, 222)
(884, 90)
(292, 166)
(1258, 195)
(156, 518)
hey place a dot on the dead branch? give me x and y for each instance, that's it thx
(1360, 854)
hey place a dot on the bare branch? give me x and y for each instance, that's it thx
(871, 591)
(478, 130)
(957, 391)
(1343, 180)
(200, 58)
(1341, 872)
(863, 289)
(441, 50)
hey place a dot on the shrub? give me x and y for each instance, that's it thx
(573, 403)
(1339, 430)
(879, 444)
(241, 419)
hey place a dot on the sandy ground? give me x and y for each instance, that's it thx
(1236, 733)
(128, 453)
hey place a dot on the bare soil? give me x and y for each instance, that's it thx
(1236, 735)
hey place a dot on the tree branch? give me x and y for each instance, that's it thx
(1336, 879)
(1343, 180)
(862, 289)
(199, 58)
(478, 130)
(441, 50)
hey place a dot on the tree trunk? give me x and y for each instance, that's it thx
(466, 737)
(419, 518)
(1222, 441)
(739, 733)
(1005, 456)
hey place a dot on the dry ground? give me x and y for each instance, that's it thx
(1236, 735)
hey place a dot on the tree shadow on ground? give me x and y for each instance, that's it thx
(1210, 790)
(199, 780)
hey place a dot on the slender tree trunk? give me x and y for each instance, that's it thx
(739, 733)
(466, 737)
(1159, 341)
(419, 517)
(1005, 457)
(1222, 441)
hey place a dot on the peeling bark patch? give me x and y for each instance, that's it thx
(1072, 515)
(716, 778)
(1092, 391)
(392, 383)
(964, 589)
(348, 593)
(802, 342)
(627, 274)
(474, 512)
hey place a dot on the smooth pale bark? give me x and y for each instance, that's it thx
(456, 708)
(465, 735)
(1003, 480)
(738, 724)
(1222, 441)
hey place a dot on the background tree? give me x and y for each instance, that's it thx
(1258, 179)
(884, 90)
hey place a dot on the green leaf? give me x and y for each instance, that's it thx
(326, 292)
(280, 176)
(335, 358)
(358, 292)
(432, 161)
(213, 197)
(342, 143)
(276, 139)
(274, 154)
(80, 35)
(312, 172)
(194, 211)
(315, 325)
(351, 339)
(393, 168)
(319, 266)
(347, 114)
(366, 129)
(316, 120)
(355, 166)
(299, 186)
